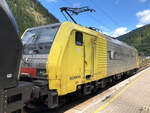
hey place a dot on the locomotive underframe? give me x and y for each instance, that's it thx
(42, 94)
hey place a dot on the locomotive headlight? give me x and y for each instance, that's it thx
(26, 59)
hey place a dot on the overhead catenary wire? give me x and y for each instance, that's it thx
(100, 9)
(67, 2)
(95, 19)
(98, 21)
(105, 13)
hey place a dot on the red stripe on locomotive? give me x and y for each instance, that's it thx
(30, 71)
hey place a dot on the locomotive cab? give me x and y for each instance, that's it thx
(37, 43)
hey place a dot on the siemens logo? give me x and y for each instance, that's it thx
(74, 77)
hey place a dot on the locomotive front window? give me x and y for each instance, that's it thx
(28, 37)
(39, 40)
(40, 35)
(47, 35)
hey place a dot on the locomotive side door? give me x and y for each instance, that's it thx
(88, 56)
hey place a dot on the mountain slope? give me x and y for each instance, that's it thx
(30, 13)
(139, 38)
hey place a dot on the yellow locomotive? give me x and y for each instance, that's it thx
(72, 58)
(58, 60)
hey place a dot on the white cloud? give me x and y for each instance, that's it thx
(114, 33)
(119, 31)
(144, 18)
(51, 1)
(143, 1)
(104, 30)
(139, 25)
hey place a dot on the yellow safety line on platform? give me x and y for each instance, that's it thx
(117, 95)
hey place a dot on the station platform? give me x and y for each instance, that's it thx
(130, 96)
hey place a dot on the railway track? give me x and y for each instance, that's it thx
(73, 102)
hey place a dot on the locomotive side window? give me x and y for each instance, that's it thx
(113, 55)
(79, 38)
(116, 56)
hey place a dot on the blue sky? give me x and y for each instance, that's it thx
(112, 17)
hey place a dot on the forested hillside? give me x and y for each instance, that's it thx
(30, 13)
(139, 38)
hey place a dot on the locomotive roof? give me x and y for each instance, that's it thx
(49, 25)
(116, 41)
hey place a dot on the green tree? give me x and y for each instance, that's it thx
(30, 13)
